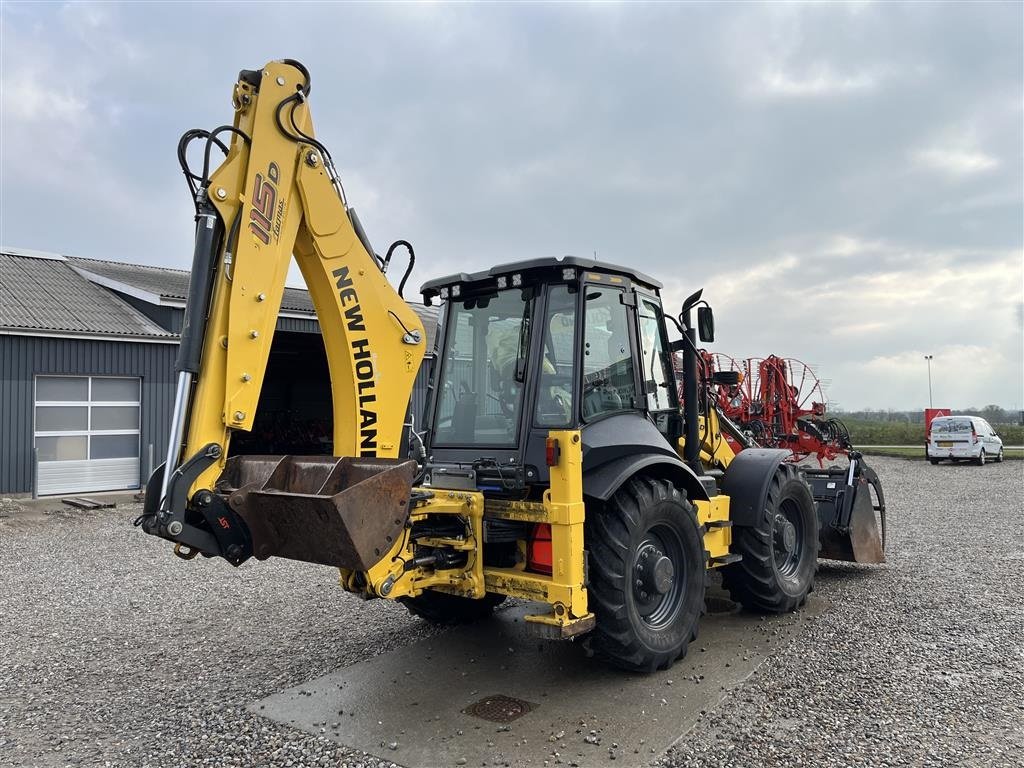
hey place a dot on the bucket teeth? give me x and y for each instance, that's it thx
(345, 512)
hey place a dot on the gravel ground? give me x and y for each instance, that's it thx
(919, 662)
(113, 652)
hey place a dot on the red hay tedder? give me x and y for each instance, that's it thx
(779, 403)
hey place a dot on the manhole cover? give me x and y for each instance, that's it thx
(499, 709)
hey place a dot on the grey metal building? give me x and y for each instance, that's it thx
(87, 351)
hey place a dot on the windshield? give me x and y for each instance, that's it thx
(480, 389)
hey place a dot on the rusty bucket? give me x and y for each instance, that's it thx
(851, 512)
(344, 512)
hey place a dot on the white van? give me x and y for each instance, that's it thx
(963, 438)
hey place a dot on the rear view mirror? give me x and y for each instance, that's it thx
(706, 324)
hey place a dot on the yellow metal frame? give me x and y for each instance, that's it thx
(565, 589)
(715, 450)
(366, 326)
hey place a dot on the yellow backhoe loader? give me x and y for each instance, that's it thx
(558, 462)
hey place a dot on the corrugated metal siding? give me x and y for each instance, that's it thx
(24, 357)
(299, 325)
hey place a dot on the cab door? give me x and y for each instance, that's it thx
(657, 374)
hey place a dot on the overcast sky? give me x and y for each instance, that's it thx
(845, 181)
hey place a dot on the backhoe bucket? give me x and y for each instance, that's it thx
(345, 512)
(851, 513)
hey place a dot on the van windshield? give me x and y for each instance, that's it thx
(948, 426)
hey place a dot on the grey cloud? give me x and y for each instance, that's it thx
(697, 142)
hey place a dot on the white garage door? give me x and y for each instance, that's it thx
(87, 433)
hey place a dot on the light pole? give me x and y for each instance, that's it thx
(928, 359)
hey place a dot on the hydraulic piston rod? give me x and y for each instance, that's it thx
(209, 231)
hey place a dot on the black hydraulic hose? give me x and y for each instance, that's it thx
(308, 86)
(408, 269)
(209, 232)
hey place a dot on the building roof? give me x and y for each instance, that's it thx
(161, 285)
(81, 296)
(42, 292)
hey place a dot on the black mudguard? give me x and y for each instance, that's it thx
(746, 482)
(618, 447)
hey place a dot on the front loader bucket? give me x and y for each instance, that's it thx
(851, 512)
(344, 512)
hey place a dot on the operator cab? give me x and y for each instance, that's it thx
(544, 345)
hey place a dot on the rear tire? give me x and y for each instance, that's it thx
(648, 575)
(780, 552)
(934, 461)
(445, 609)
(980, 461)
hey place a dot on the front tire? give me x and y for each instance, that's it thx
(648, 575)
(934, 461)
(999, 456)
(780, 552)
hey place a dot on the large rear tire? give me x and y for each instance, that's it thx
(780, 552)
(442, 608)
(980, 461)
(648, 575)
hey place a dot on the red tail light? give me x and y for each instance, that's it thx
(538, 552)
(974, 435)
(552, 452)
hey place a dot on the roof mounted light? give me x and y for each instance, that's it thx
(517, 280)
(456, 290)
(443, 293)
(568, 273)
(503, 281)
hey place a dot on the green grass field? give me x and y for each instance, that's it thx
(917, 452)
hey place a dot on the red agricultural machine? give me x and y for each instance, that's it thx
(779, 403)
(776, 402)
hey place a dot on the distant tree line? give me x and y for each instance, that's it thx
(892, 427)
(993, 414)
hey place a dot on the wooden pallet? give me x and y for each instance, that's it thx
(81, 502)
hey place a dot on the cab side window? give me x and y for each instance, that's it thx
(608, 381)
(554, 397)
(653, 348)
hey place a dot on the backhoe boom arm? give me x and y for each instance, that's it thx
(276, 195)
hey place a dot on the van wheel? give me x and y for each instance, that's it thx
(934, 461)
(648, 575)
(780, 552)
(981, 458)
(999, 457)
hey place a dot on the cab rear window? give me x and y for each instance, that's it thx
(949, 426)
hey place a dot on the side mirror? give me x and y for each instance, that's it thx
(706, 324)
